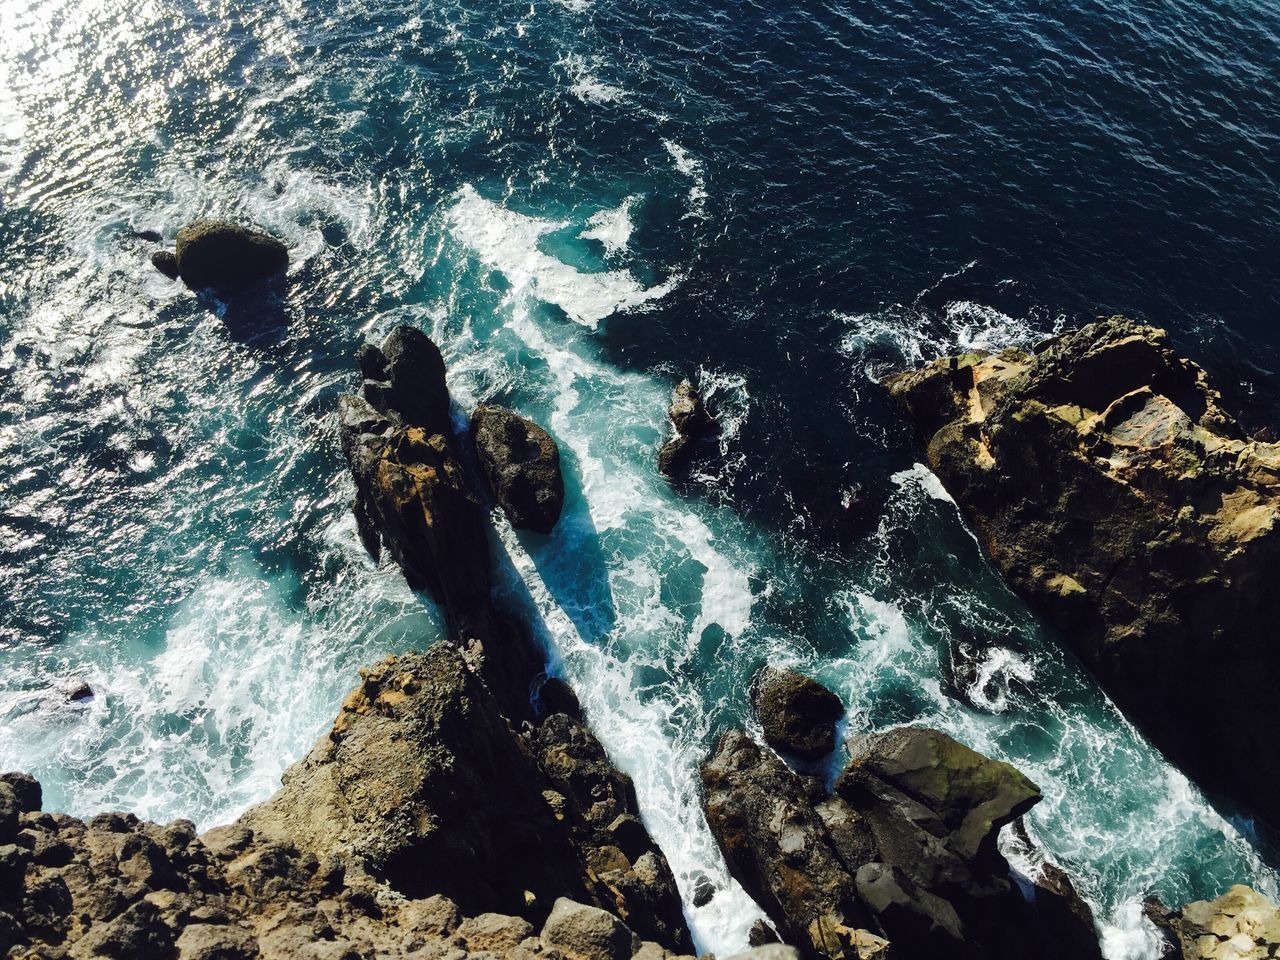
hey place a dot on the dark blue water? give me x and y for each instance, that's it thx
(584, 201)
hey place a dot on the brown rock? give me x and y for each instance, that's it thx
(1111, 489)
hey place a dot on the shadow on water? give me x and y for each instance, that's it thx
(571, 561)
(258, 316)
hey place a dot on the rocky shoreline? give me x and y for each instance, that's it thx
(1112, 490)
(460, 806)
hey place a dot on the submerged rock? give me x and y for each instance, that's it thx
(694, 427)
(522, 464)
(226, 257)
(1112, 490)
(798, 715)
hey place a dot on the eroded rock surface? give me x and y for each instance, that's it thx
(904, 850)
(522, 465)
(1112, 490)
(798, 714)
(420, 807)
(1241, 924)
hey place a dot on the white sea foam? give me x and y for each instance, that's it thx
(691, 167)
(586, 86)
(508, 242)
(612, 227)
(623, 526)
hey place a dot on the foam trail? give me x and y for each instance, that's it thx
(508, 242)
(611, 227)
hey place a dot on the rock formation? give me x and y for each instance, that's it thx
(1111, 489)
(222, 256)
(903, 850)
(1241, 924)
(694, 427)
(522, 465)
(798, 715)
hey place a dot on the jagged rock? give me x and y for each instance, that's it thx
(26, 790)
(407, 377)
(966, 794)
(798, 715)
(1063, 912)
(583, 932)
(694, 427)
(1112, 490)
(1241, 924)
(166, 263)
(226, 257)
(761, 934)
(522, 465)
(494, 932)
(776, 845)
(906, 846)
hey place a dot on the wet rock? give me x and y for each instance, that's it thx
(556, 696)
(148, 236)
(969, 797)
(582, 932)
(227, 257)
(1063, 912)
(1241, 924)
(798, 715)
(761, 934)
(704, 890)
(166, 263)
(80, 693)
(695, 429)
(1112, 490)
(522, 465)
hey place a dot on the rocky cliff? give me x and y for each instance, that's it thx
(1112, 490)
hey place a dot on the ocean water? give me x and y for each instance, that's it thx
(583, 201)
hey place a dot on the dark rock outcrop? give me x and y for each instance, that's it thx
(522, 464)
(904, 849)
(224, 257)
(166, 263)
(778, 849)
(798, 714)
(695, 431)
(1111, 489)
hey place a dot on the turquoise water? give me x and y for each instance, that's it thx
(583, 202)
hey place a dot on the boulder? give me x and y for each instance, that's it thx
(905, 848)
(1111, 489)
(777, 848)
(1241, 924)
(226, 257)
(522, 465)
(695, 429)
(166, 263)
(798, 714)
(582, 932)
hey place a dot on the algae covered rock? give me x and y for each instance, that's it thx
(1111, 489)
